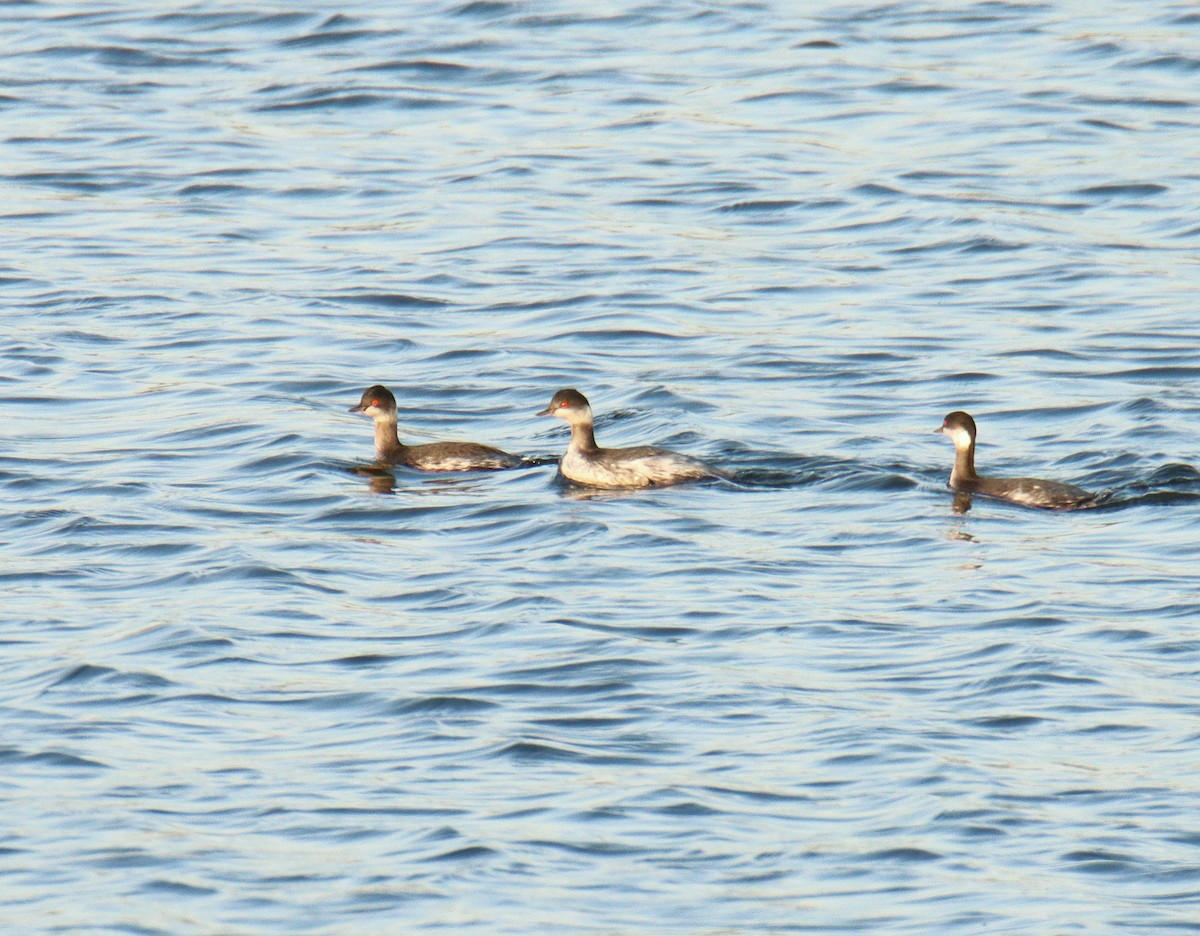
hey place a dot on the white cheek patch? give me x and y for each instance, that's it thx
(960, 437)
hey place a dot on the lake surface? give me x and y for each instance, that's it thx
(249, 690)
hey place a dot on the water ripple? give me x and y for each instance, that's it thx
(784, 241)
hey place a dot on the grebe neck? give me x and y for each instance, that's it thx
(964, 464)
(387, 440)
(582, 436)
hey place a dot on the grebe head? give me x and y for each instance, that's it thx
(960, 427)
(570, 405)
(377, 402)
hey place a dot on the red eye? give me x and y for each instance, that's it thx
(562, 405)
(374, 402)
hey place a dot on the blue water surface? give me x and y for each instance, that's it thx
(246, 689)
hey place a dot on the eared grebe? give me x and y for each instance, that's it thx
(645, 466)
(1032, 492)
(378, 403)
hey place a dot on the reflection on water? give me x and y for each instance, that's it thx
(379, 480)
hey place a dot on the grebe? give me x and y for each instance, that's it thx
(586, 463)
(378, 403)
(1031, 492)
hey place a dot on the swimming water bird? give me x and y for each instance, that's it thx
(1031, 492)
(586, 463)
(378, 403)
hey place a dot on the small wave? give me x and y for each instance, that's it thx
(808, 94)
(485, 8)
(74, 181)
(530, 751)
(219, 20)
(1168, 485)
(428, 67)
(128, 57)
(213, 188)
(1095, 861)
(363, 660)
(329, 37)
(177, 888)
(1007, 722)
(908, 855)
(911, 87)
(51, 759)
(1174, 63)
(332, 101)
(1133, 189)
(759, 207)
(385, 300)
(874, 188)
(466, 853)
(443, 704)
(1152, 498)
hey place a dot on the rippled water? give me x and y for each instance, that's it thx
(248, 690)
